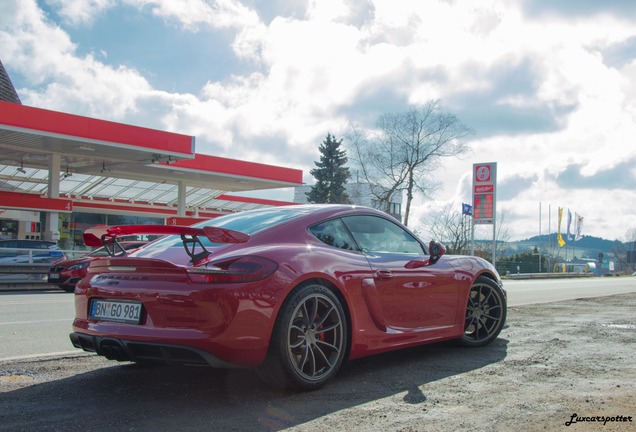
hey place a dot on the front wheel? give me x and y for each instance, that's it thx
(309, 341)
(485, 313)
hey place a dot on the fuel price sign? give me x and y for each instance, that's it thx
(484, 192)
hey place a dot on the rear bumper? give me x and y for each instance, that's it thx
(146, 352)
(222, 324)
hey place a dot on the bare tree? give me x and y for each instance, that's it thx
(484, 244)
(405, 149)
(502, 233)
(378, 164)
(452, 228)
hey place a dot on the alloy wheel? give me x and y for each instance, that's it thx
(315, 337)
(485, 313)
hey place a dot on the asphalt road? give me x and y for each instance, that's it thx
(524, 292)
(553, 363)
(34, 324)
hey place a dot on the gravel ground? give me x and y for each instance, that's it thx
(555, 363)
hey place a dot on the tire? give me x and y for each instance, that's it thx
(485, 313)
(67, 289)
(309, 341)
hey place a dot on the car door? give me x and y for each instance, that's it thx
(410, 298)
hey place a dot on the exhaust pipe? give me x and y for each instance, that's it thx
(113, 350)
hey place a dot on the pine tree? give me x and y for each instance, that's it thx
(330, 173)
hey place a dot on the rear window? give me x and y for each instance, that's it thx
(249, 222)
(102, 251)
(333, 233)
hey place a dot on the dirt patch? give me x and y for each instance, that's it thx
(553, 361)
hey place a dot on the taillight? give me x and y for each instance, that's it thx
(233, 270)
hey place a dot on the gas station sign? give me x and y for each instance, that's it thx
(484, 192)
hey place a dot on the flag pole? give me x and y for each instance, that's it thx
(574, 237)
(539, 248)
(549, 230)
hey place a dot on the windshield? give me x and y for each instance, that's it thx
(249, 222)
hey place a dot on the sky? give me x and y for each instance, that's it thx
(548, 87)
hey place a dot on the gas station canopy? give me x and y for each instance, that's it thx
(59, 162)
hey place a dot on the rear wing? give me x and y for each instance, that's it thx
(190, 237)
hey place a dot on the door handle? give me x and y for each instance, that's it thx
(383, 274)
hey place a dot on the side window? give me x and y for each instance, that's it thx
(333, 233)
(378, 235)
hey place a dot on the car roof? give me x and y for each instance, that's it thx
(27, 241)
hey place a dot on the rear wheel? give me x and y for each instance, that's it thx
(309, 340)
(485, 313)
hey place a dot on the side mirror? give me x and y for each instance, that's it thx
(436, 250)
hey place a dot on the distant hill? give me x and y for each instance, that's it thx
(586, 247)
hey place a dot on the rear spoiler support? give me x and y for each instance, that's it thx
(190, 244)
(190, 237)
(112, 246)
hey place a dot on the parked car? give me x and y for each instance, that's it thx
(65, 274)
(292, 291)
(15, 253)
(18, 252)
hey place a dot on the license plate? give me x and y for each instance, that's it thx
(117, 311)
(54, 276)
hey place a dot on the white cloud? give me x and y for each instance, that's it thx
(194, 13)
(77, 12)
(59, 78)
(537, 88)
